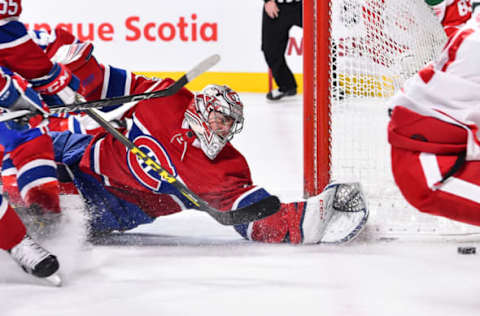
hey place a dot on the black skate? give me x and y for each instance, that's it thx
(35, 260)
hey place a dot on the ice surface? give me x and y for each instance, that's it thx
(187, 264)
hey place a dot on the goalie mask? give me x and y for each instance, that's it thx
(215, 115)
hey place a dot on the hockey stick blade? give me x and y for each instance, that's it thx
(202, 67)
(171, 90)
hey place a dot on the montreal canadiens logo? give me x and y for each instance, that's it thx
(144, 173)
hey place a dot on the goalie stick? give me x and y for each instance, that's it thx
(253, 212)
(171, 90)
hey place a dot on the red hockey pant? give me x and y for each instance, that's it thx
(418, 174)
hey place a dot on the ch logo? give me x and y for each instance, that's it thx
(144, 173)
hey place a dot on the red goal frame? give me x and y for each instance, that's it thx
(316, 95)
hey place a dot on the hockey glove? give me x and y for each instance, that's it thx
(59, 86)
(17, 94)
(74, 56)
(79, 59)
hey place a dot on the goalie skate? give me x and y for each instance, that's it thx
(35, 260)
(349, 217)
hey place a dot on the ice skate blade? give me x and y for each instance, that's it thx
(54, 280)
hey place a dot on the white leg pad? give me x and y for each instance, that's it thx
(318, 213)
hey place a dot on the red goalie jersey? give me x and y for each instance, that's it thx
(157, 128)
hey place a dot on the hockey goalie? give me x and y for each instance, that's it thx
(189, 135)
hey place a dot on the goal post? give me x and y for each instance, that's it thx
(316, 95)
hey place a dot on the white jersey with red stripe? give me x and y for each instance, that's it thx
(449, 88)
(433, 132)
(453, 14)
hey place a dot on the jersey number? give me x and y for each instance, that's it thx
(464, 7)
(9, 7)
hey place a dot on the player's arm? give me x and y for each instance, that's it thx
(98, 81)
(336, 215)
(20, 54)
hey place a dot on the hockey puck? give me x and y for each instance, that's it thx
(467, 250)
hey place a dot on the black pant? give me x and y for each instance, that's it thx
(275, 40)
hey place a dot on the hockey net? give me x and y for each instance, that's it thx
(357, 53)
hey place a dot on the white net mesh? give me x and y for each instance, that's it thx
(376, 45)
(380, 43)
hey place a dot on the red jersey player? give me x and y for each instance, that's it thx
(14, 138)
(31, 150)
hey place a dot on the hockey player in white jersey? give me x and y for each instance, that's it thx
(434, 132)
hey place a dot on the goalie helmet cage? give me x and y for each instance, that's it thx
(357, 53)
